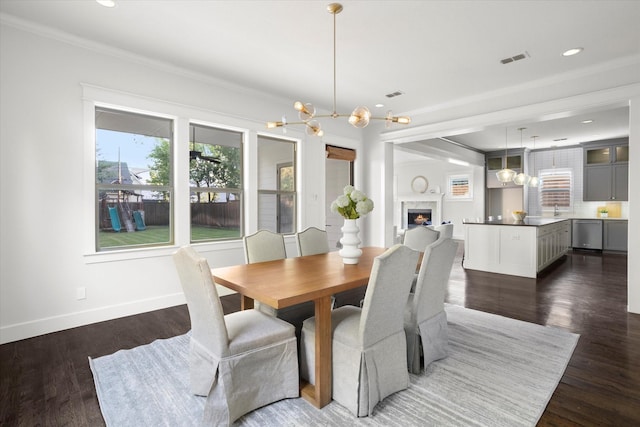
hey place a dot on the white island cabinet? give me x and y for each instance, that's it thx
(519, 248)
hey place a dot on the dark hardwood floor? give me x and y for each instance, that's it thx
(46, 380)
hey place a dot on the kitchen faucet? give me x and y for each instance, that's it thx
(556, 212)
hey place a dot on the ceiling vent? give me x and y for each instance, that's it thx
(394, 94)
(515, 58)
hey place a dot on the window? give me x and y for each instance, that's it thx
(276, 185)
(133, 179)
(555, 188)
(459, 187)
(215, 180)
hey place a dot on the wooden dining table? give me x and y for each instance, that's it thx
(286, 282)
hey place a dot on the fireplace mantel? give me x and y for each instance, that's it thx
(431, 201)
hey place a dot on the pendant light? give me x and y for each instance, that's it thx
(534, 179)
(505, 175)
(522, 178)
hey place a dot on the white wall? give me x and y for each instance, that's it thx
(44, 257)
(436, 172)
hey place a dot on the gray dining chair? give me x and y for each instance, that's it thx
(241, 361)
(368, 344)
(265, 245)
(446, 231)
(418, 238)
(425, 321)
(312, 241)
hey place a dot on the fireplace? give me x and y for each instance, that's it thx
(417, 217)
(429, 205)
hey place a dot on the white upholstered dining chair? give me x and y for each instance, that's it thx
(241, 361)
(312, 241)
(446, 231)
(368, 344)
(418, 238)
(265, 245)
(425, 321)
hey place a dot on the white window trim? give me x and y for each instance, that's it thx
(181, 115)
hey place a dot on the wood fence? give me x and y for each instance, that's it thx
(225, 214)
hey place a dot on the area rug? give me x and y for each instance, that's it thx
(499, 372)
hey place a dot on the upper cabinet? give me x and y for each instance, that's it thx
(606, 170)
(496, 160)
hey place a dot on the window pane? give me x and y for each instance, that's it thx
(125, 219)
(277, 212)
(622, 153)
(215, 157)
(276, 185)
(514, 162)
(133, 179)
(271, 154)
(555, 188)
(212, 219)
(215, 174)
(597, 156)
(494, 163)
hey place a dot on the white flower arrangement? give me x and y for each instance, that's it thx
(352, 204)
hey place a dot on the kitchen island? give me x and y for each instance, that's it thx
(519, 248)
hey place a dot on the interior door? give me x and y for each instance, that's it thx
(339, 172)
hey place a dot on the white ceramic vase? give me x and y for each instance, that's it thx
(350, 251)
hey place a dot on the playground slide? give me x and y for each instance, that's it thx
(137, 216)
(115, 219)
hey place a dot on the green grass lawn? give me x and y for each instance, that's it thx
(157, 234)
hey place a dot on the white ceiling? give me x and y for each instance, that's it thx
(433, 51)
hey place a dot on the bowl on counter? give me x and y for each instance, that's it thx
(519, 215)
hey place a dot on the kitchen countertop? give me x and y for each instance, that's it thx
(531, 221)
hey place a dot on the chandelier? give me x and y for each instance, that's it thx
(359, 118)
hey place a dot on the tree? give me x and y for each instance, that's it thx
(160, 170)
(225, 174)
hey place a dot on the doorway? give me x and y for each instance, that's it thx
(339, 173)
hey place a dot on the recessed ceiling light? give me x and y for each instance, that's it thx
(107, 3)
(379, 105)
(584, 122)
(574, 51)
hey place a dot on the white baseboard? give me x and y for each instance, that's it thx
(20, 331)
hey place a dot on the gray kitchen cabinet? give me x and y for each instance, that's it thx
(615, 235)
(606, 171)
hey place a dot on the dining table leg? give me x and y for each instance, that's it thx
(320, 394)
(246, 303)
